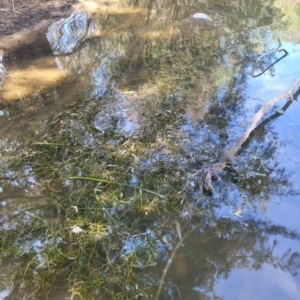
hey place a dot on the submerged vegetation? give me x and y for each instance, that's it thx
(103, 200)
(104, 205)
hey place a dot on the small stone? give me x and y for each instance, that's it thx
(201, 17)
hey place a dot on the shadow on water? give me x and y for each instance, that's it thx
(105, 120)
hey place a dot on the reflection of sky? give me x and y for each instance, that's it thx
(286, 212)
(268, 283)
(286, 71)
(261, 89)
(287, 127)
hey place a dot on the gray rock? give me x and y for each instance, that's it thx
(67, 35)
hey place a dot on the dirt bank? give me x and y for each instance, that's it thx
(19, 18)
(28, 59)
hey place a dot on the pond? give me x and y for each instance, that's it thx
(113, 180)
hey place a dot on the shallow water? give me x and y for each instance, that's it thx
(160, 71)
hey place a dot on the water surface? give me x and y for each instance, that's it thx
(185, 91)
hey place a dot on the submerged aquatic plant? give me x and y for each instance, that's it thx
(96, 231)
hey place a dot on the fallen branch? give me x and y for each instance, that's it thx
(205, 174)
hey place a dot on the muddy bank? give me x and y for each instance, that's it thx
(18, 15)
(22, 20)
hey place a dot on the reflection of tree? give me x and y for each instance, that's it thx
(178, 70)
(248, 245)
(165, 48)
(161, 51)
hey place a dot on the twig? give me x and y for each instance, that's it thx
(205, 174)
(13, 5)
(165, 271)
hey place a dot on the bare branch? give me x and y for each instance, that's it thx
(205, 174)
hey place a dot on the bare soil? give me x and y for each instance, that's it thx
(27, 56)
(18, 18)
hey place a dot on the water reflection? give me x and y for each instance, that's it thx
(186, 89)
(214, 266)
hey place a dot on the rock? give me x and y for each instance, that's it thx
(200, 17)
(66, 36)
